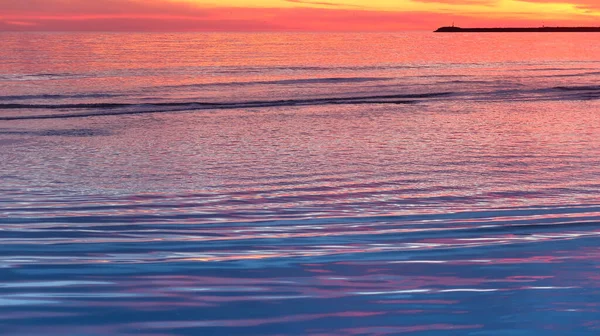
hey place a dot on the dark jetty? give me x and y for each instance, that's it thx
(453, 29)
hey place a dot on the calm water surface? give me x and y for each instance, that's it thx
(300, 184)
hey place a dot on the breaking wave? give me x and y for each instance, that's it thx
(105, 109)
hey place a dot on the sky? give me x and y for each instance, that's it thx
(289, 15)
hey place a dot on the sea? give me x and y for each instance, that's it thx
(300, 184)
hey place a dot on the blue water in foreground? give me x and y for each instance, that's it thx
(299, 184)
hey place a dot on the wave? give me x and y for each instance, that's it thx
(552, 69)
(578, 88)
(557, 93)
(579, 74)
(59, 96)
(263, 69)
(106, 109)
(519, 93)
(40, 76)
(329, 80)
(75, 132)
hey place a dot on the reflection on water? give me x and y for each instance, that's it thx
(452, 216)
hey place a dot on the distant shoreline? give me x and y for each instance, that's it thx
(453, 29)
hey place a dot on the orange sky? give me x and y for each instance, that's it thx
(289, 15)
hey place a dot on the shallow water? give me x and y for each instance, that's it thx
(299, 184)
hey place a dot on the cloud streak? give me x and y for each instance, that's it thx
(309, 15)
(324, 3)
(583, 4)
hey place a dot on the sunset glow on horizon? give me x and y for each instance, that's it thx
(289, 15)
